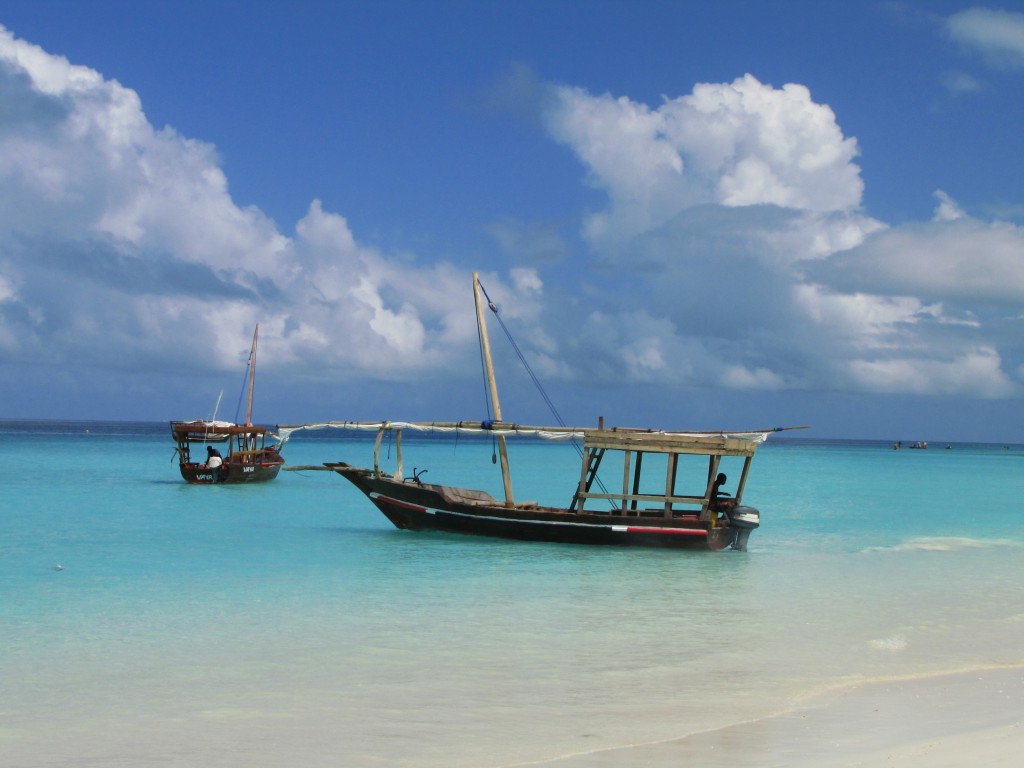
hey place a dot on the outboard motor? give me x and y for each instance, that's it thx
(744, 520)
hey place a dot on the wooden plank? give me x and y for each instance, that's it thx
(655, 498)
(671, 444)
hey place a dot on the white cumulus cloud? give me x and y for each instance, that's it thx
(736, 144)
(732, 251)
(738, 208)
(118, 241)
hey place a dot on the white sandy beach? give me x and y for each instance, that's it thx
(946, 721)
(967, 718)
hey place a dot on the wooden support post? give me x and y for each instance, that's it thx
(625, 479)
(670, 482)
(636, 478)
(705, 511)
(376, 449)
(581, 489)
(743, 478)
(398, 454)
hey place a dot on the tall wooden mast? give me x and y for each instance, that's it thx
(252, 375)
(485, 346)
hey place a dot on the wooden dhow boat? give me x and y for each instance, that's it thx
(250, 459)
(663, 515)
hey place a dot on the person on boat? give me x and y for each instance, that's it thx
(213, 458)
(718, 503)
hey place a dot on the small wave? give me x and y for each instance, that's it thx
(894, 643)
(944, 544)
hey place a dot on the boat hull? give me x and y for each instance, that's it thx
(262, 470)
(411, 506)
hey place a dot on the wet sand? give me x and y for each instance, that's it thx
(947, 720)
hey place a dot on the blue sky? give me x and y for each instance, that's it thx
(692, 215)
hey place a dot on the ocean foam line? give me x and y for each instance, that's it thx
(944, 544)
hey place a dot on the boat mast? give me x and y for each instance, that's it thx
(485, 346)
(252, 376)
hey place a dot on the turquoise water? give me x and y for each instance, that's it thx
(290, 624)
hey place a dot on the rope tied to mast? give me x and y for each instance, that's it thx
(522, 358)
(533, 377)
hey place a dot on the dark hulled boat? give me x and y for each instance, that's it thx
(634, 516)
(638, 512)
(250, 459)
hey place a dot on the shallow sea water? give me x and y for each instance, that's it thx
(290, 623)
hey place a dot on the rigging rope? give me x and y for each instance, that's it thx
(522, 358)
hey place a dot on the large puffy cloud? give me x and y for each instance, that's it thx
(120, 247)
(735, 144)
(736, 211)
